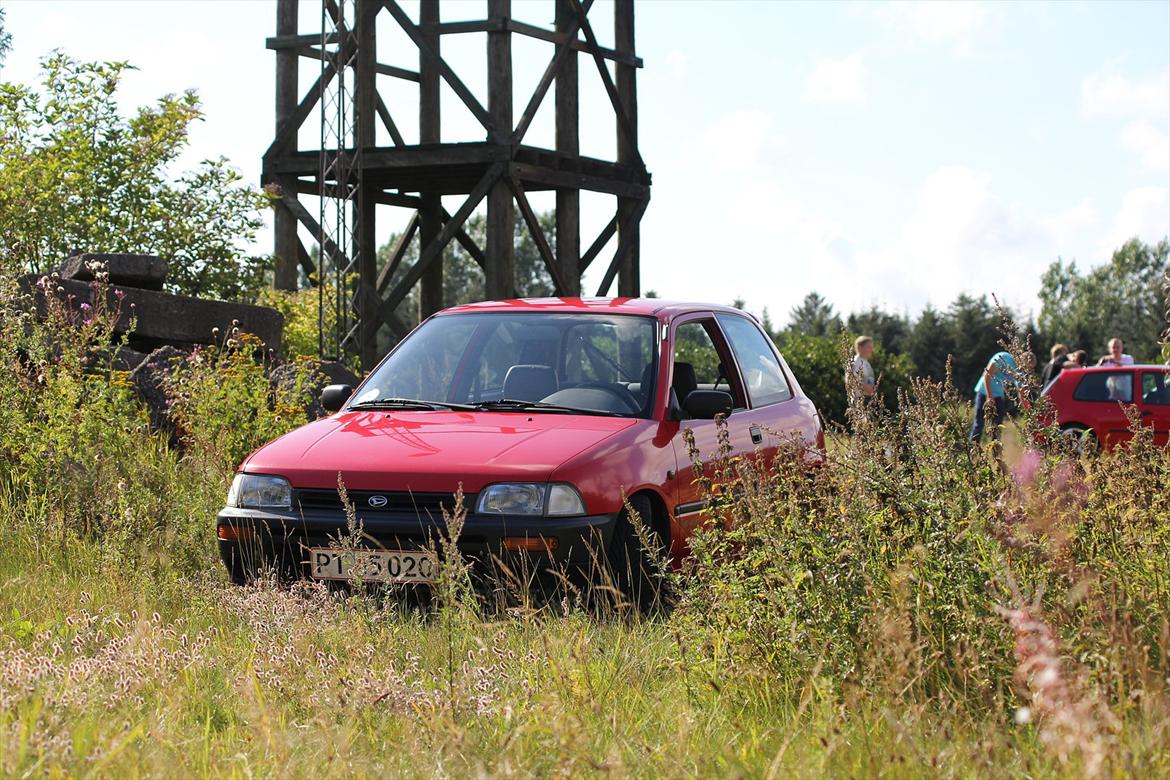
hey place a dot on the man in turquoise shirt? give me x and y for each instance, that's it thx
(1000, 372)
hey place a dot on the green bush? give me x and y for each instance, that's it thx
(819, 364)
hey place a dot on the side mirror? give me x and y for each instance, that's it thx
(333, 397)
(705, 404)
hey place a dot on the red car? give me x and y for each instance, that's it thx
(547, 413)
(1091, 402)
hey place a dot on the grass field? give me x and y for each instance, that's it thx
(915, 608)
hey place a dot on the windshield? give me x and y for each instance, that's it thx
(593, 363)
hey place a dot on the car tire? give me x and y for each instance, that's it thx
(1082, 439)
(635, 571)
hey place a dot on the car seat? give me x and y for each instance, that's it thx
(530, 382)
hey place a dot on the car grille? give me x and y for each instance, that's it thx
(399, 502)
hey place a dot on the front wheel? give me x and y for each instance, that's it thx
(638, 567)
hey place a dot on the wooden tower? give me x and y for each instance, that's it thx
(351, 174)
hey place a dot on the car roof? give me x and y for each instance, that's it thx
(654, 307)
(1099, 369)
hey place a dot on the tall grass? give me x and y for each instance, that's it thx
(913, 607)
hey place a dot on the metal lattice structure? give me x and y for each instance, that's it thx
(351, 174)
(340, 173)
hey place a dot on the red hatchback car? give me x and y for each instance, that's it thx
(1092, 401)
(546, 413)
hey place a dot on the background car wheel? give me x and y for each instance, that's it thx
(1081, 438)
(637, 560)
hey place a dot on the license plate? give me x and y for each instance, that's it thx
(372, 565)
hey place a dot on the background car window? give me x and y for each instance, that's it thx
(1103, 386)
(1156, 387)
(761, 371)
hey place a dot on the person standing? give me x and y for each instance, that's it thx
(991, 389)
(1054, 366)
(859, 378)
(1116, 356)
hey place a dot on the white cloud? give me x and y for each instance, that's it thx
(1109, 93)
(742, 140)
(1067, 226)
(1150, 144)
(837, 81)
(955, 24)
(1144, 213)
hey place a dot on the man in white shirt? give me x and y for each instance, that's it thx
(859, 379)
(1116, 356)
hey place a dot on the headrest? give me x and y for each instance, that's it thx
(529, 382)
(684, 380)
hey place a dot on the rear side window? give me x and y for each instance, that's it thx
(1156, 387)
(761, 370)
(1110, 387)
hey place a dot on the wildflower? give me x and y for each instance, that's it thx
(1027, 468)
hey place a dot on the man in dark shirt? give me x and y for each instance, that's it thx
(1054, 366)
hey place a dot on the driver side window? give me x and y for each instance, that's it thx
(698, 363)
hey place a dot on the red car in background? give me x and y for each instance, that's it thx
(1091, 402)
(546, 413)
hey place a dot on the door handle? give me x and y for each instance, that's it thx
(757, 434)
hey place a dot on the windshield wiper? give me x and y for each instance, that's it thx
(513, 405)
(410, 404)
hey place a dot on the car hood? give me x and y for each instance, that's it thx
(430, 451)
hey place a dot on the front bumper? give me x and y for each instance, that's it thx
(261, 540)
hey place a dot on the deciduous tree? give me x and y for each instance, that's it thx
(75, 174)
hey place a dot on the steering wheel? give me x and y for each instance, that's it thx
(623, 394)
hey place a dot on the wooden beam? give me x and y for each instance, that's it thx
(468, 244)
(541, 241)
(284, 224)
(382, 69)
(396, 72)
(305, 218)
(293, 41)
(307, 264)
(500, 276)
(624, 122)
(624, 243)
(459, 88)
(554, 67)
(598, 244)
(430, 298)
(629, 234)
(568, 142)
(388, 123)
(470, 26)
(547, 176)
(576, 44)
(287, 132)
(434, 250)
(397, 253)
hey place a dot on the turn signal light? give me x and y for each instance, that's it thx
(530, 543)
(236, 533)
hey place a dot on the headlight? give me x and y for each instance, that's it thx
(530, 498)
(259, 491)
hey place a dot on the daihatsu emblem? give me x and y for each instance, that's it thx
(377, 501)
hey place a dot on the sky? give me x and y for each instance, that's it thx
(892, 154)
